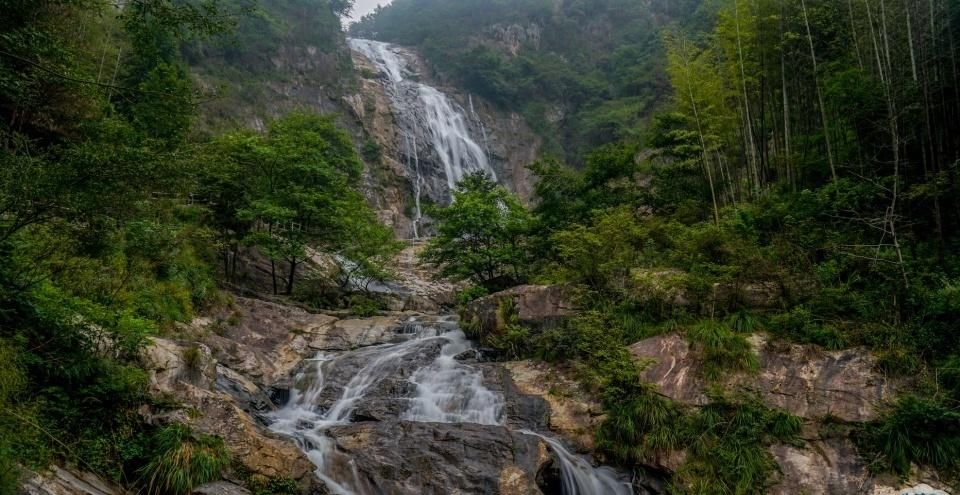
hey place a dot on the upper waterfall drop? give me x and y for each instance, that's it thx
(438, 126)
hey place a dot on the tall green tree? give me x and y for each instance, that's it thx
(481, 236)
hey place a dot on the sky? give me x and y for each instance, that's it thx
(363, 7)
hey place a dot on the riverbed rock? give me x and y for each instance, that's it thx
(535, 306)
(573, 413)
(263, 340)
(181, 372)
(347, 334)
(67, 481)
(439, 459)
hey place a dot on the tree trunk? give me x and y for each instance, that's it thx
(292, 276)
(748, 119)
(816, 79)
(273, 275)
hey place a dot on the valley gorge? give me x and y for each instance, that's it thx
(480, 247)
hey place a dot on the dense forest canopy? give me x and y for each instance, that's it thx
(117, 222)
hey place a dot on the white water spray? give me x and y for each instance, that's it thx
(579, 477)
(451, 392)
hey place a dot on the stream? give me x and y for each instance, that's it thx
(419, 378)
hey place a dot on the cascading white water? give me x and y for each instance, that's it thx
(301, 420)
(447, 391)
(579, 477)
(459, 153)
(451, 392)
(420, 108)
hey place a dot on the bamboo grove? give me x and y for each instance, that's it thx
(854, 95)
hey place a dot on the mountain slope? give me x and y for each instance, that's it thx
(583, 73)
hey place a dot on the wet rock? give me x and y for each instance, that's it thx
(349, 334)
(250, 398)
(64, 481)
(431, 458)
(571, 412)
(213, 412)
(388, 113)
(536, 306)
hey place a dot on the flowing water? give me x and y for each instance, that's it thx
(332, 387)
(579, 477)
(437, 143)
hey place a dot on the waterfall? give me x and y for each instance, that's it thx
(579, 477)
(417, 182)
(483, 128)
(451, 392)
(447, 391)
(451, 151)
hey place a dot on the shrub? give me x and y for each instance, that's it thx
(916, 430)
(721, 349)
(361, 305)
(639, 427)
(274, 485)
(370, 151)
(471, 293)
(727, 444)
(183, 460)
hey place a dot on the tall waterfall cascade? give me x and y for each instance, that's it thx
(435, 129)
(333, 387)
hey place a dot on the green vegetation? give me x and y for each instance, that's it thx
(117, 222)
(480, 235)
(739, 210)
(183, 460)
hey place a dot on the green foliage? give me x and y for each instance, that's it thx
(640, 427)
(728, 447)
(722, 350)
(294, 186)
(364, 306)
(513, 341)
(471, 293)
(182, 460)
(480, 236)
(918, 430)
(370, 151)
(275, 485)
(12, 382)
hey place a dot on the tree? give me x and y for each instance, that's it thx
(481, 236)
(290, 191)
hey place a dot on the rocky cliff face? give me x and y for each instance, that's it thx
(426, 137)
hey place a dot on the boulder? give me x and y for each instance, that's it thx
(822, 467)
(262, 340)
(432, 458)
(215, 412)
(65, 481)
(536, 306)
(221, 488)
(573, 413)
